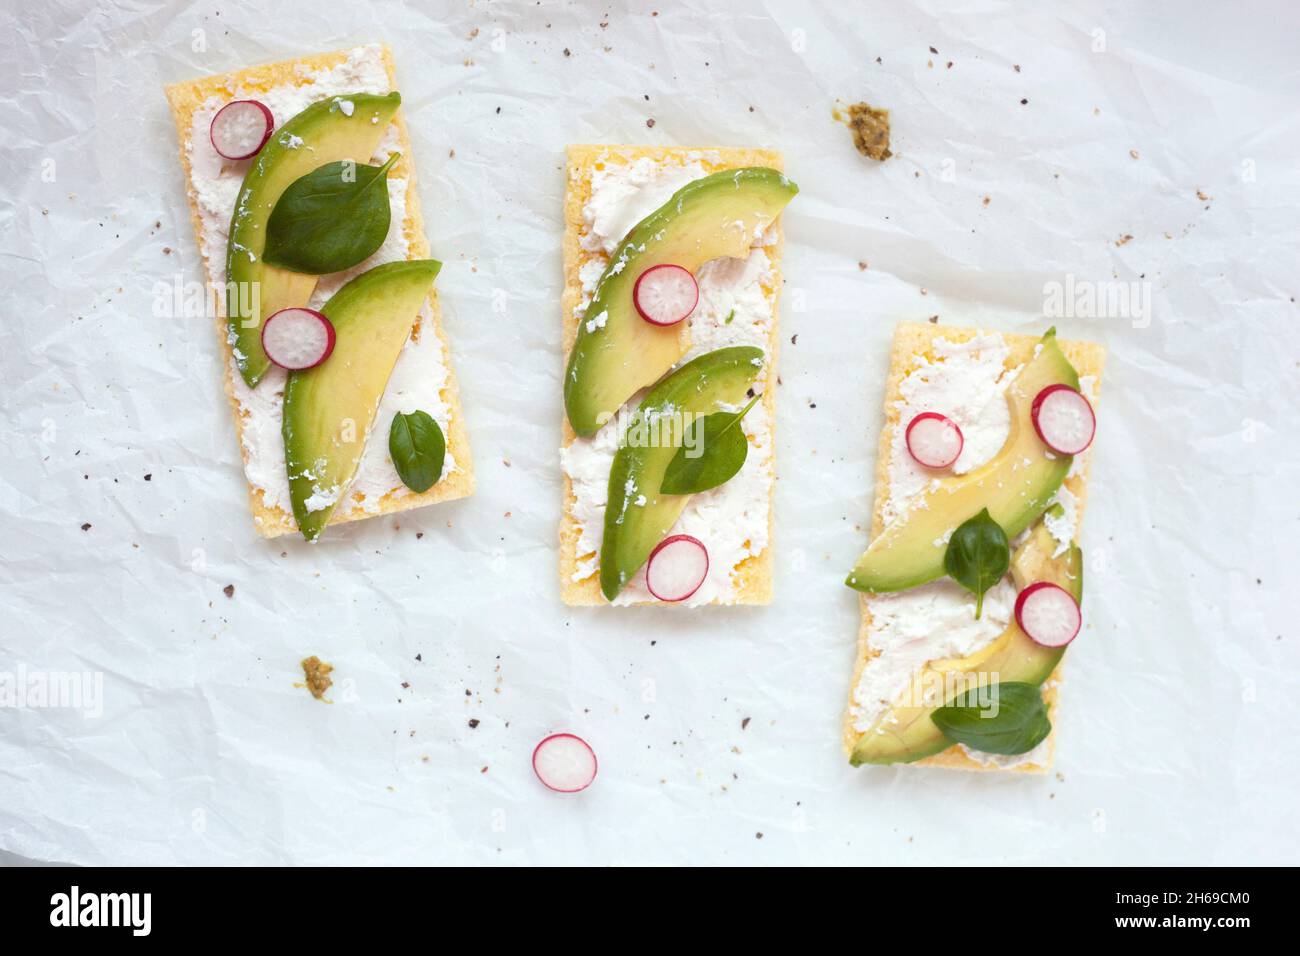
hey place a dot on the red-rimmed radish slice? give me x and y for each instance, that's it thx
(677, 567)
(241, 128)
(297, 338)
(1063, 419)
(665, 294)
(1048, 614)
(565, 763)
(934, 440)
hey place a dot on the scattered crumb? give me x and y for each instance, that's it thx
(1123, 240)
(987, 200)
(650, 123)
(228, 590)
(86, 526)
(317, 675)
(1134, 153)
(862, 266)
(1200, 194)
(870, 128)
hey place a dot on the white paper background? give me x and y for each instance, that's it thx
(1176, 740)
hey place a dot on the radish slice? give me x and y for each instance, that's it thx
(241, 128)
(934, 440)
(665, 294)
(565, 763)
(297, 338)
(1048, 614)
(1063, 419)
(677, 568)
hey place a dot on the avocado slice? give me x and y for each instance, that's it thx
(322, 133)
(1015, 485)
(906, 733)
(700, 387)
(616, 352)
(330, 409)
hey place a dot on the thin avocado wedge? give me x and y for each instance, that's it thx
(638, 515)
(329, 410)
(906, 733)
(617, 352)
(1015, 486)
(322, 133)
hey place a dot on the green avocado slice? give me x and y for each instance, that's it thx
(702, 386)
(329, 410)
(617, 352)
(322, 133)
(906, 733)
(1015, 485)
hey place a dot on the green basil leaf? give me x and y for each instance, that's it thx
(978, 555)
(417, 448)
(713, 449)
(1006, 718)
(330, 219)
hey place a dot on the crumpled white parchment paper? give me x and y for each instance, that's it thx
(1029, 145)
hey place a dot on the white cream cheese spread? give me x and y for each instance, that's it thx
(420, 375)
(733, 519)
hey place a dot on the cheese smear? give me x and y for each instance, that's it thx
(421, 373)
(733, 519)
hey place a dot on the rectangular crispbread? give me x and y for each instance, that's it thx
(910, 340)
(187, 98)
(753, 577)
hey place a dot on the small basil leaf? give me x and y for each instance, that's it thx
(417, 448)
(713, 449)
(978, 555)
(330, 219)
(1006, 718)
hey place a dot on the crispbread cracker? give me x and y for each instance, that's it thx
(185, 99)
(917, 338)
(753, 576)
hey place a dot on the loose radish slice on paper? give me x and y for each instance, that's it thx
(677, 567)
(1048, 614)
(297, 338)
(934, 440)
(565, 763)
(665, 294)
(241, 128)
(1063, 419)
